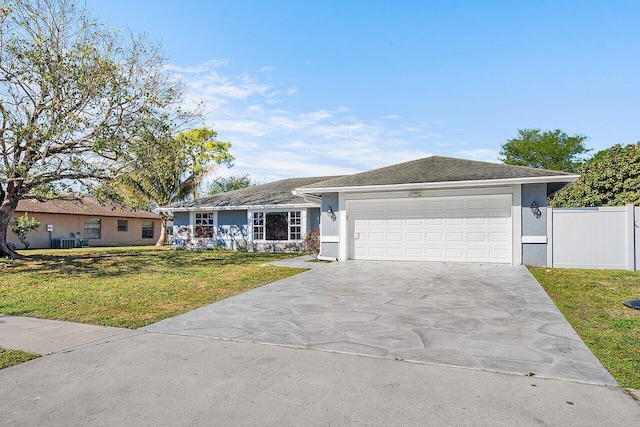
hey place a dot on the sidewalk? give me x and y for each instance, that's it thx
(141, 378)
(44, 336)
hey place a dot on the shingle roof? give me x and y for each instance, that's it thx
(87, 206)
(273, 193)
(435, 169)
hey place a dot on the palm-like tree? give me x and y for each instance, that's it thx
(170, 170)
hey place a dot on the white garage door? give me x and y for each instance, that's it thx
(462, 228)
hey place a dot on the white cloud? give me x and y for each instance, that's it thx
(217, 62)
(267, 69)
(212, 84)
(205, 66)
(271, 141)
(391, 116)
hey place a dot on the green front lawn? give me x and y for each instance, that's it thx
(14, 357)
(128, 287)
(591, 300)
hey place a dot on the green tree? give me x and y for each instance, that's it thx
(224, 184)
(610, 178)
(552, 149)
(169, 170)
(73, 95)
(22, 226)
(204, 150)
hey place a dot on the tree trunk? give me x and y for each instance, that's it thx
(163, 231)
(7, 209)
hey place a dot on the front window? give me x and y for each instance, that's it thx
(204, 224)
(277, 225)
(295, 227)
(258, 226)
(92, 228)
(147, 229)
(123, 225)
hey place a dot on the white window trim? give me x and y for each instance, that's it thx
(303, 224)
(192, 220)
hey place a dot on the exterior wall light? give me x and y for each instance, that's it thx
(535, 209)
(331, 214)
(415, 194)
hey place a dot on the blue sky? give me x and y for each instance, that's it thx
(305, 88)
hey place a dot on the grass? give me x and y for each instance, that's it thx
(128, 287)
(591, 300)
(14, 357)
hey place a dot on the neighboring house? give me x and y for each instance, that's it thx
(265, 217)
(432, 209)
(74, 221)
(437, 209)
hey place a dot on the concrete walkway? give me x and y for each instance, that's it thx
(42, 336)
(487, 317)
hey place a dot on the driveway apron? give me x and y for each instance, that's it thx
(479, 316)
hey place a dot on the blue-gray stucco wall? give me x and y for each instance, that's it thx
(180, 218)
(534, 253)
(313, 219)
(330, 225)
(237, 218)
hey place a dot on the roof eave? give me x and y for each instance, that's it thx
(436, 185)
(235, 208)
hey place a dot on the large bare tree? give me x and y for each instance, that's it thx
(73, 94)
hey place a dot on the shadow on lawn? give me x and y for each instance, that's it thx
(117, 263)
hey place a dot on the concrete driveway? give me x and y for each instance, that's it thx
(485, 317)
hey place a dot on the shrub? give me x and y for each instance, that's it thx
(312, 242)
(23, 225)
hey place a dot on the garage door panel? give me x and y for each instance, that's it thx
(467, 228)
(499, 221)
(394, 252)
(375, 237)
(476, 254)
(454, 204)
(414, 253)
(413, 236)
(476, 237)
(499, 237)
(478, 221)
(376, 251)
(476, 204)
(497, 203)
(435, 237)
(434, 254)
(394, 237)
(454, 254)
(504, 255)
(455, 237)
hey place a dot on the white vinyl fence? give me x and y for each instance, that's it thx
(606, 237)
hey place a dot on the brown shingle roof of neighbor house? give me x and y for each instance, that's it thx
(436, 169)
(273, 193)
(87, 206)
